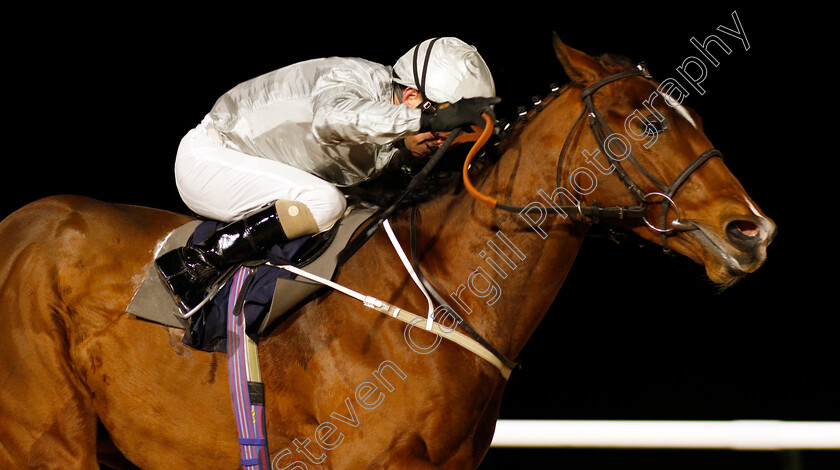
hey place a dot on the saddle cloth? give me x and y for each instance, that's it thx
(153, 302)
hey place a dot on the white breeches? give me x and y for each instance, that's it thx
(224, 184)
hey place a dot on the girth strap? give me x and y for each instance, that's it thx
(246, 388)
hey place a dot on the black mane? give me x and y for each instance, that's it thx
(388, 186)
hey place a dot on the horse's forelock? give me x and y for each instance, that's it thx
(616, 63)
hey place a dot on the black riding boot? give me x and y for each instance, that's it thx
(191, 270)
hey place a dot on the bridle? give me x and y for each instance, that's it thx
(601, 130)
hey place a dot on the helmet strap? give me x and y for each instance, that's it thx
(421, 82)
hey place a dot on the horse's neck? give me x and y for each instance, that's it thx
(496, 271)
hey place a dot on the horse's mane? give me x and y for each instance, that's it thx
(392, 182)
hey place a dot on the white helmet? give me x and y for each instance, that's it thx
(445, 70)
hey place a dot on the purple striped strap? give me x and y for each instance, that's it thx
(250, 417)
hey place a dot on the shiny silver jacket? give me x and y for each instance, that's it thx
(332, 117)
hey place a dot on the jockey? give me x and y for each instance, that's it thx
(269, 155)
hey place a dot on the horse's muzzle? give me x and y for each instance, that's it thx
(739, 246)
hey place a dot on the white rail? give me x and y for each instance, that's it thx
(738, 434)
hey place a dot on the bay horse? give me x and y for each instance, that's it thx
(82, 381)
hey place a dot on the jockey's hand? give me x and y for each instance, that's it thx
(460, 114)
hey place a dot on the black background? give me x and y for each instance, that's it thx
(97, 101)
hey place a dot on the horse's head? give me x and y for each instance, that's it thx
(647, 150)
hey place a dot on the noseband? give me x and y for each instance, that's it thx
(601, 130)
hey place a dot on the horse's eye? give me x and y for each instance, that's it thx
(654, 126)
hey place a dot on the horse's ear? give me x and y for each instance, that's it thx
(579, 66)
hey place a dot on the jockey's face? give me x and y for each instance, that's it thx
(424, 144)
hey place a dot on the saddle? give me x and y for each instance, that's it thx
(274, 292)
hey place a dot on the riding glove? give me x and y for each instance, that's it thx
(461, 114)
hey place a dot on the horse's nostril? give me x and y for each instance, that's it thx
(748, 228)
(744, 232)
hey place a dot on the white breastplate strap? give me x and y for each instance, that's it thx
(430, 317)
(406, 316)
